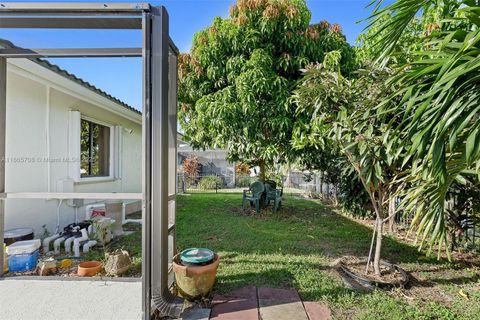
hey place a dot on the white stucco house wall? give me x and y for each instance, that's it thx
(48, 151)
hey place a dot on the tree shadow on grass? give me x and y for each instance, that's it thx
(333, 235)
(284, 249)
(280, 278)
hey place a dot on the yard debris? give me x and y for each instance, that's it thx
(463, 294)
(65, 263)
(117, 262)
(46, 267)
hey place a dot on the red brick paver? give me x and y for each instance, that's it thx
(241, 304)
(250, 303)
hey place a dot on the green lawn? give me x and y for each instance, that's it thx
(295, 247)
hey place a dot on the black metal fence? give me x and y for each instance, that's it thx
(295, 183)
(205, 182)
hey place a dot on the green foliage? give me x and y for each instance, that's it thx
(236, 82)
(245, 181)
(352, 196)
(339, 118)
(210, 183)
(440, 105)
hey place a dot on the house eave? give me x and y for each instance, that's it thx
(34, 70)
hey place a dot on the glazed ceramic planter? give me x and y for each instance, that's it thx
(196, 280)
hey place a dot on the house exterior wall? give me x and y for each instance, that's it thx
(38, 155)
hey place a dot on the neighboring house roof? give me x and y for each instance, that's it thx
(50, 66)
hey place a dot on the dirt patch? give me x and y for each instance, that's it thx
(287, 212)
(388, 273)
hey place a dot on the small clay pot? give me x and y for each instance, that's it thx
(89, 268)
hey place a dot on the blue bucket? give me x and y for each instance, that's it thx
(22, 262)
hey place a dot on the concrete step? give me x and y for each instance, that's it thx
(196, 314)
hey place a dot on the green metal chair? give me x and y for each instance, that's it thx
(273, 194)
(253, 194)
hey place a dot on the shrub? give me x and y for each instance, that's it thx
(244, 181)
(210, 183)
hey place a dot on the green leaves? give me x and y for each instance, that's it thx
(236, 83)
(438, 84)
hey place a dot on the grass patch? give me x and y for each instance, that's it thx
(294, 249)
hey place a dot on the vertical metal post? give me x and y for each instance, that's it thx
(156, 167)
(146, 168)
(3, 107)
(159, 148)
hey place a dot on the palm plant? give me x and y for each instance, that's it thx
(440, 104)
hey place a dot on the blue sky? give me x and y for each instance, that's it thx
(122, 77)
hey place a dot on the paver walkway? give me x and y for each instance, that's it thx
(252, 303)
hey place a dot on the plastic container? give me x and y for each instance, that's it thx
(18, 234)
(196, 256)
(23, 255)
(23, 262)
(23, 247)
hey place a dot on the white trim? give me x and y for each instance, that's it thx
(118, 152)
(74, 131)
(87, 180)
(75, 195)
(32, 70)
(47, 138)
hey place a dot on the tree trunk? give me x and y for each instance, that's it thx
(261, 165)
(321, 184)
(391, 213)
(288, 180)
(378, 245)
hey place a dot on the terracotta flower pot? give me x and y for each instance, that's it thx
(195, 281)
(89, 268)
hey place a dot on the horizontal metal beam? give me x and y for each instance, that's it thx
(74, 195)
(73, 7)
(70, 23)
(71, 53)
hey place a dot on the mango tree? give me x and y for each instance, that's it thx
(236, 82)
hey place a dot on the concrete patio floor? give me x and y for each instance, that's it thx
(69, 300)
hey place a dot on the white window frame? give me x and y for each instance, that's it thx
(111, 153)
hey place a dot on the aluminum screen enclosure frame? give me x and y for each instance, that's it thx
(159, 121)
